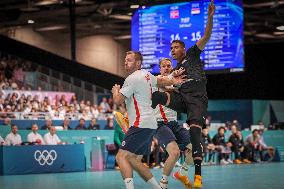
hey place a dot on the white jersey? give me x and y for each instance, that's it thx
(163, 113)
(137, 89)
(51, 139)
(32, 137)
(12, 139)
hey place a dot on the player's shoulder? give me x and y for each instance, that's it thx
(139, 74)
(194, 49)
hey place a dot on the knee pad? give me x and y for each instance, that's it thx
(195, 138)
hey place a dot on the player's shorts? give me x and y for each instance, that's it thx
(138, 140)
(172, 131)
(191, 99)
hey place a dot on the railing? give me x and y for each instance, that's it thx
(48, 115)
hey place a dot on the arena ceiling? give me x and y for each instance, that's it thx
(51, 17)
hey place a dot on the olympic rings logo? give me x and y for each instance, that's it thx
(45, 157)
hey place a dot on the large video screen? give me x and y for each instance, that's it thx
(155, 27)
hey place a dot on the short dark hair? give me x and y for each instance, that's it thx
(221, 128)
(179, 42)
(137, 55)
(255, 130)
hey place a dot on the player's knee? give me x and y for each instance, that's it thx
(174, 151)
(121, 156)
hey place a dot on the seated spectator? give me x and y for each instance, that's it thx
(81, 125)
(105, 108)
(254, 146)
(51, 137)
(208, 121)
(66, 123)
(208, 146)
(7, 122)
(93, 125)
(95, 111)
(237, 124)
(244, 150)
(85, 115)
(267, 153)
(237, 143)
(48, 125)
(13, 138)
(111, 104)
(34, 136)
(109, 125)
(8, 112)
(222, 147)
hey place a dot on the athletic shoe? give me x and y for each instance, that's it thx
(247, 161)
(237, 161)
(197, 181)
(146, 165)
(224, 162)
(157, 167)
(183, 179)
(230, 161)
(164, 184)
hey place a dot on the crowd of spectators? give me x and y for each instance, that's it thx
(227, 146)
(234, 148)
(31, 107)
(12, 73)
(221, 148)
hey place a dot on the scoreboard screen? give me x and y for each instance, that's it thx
(154, 28)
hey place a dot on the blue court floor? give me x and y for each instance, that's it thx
(256, 176)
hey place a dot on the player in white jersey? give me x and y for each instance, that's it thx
(170, 135)
(136, 92)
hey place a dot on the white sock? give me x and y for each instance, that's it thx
(129, 183)
(164, 178)
(164, 182)
(153, 183)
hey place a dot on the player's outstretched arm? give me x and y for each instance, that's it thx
(163, 81)
(208, 30)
